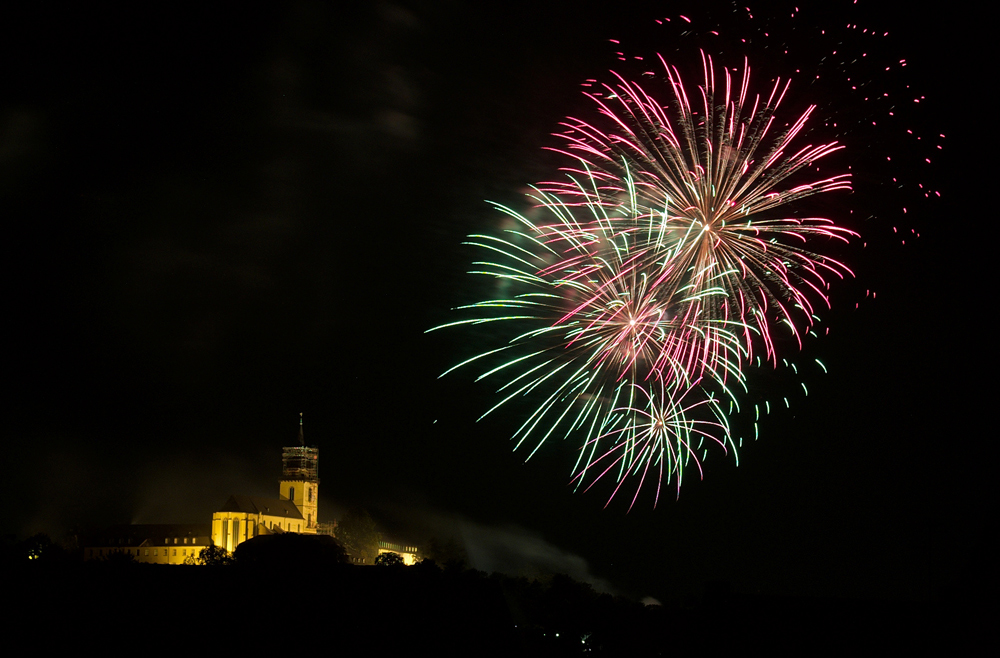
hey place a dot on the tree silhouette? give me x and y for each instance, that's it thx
(40, 548)
(286, 549)
(359, 535)
(448, 553)
(119, 557)
(215, 556)
(389, 559)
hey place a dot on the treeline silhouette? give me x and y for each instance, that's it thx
(299, 592)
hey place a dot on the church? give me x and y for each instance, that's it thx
(296, 509)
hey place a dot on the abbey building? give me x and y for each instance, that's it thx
(294, 510)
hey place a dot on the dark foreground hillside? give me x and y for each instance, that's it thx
(426, 611)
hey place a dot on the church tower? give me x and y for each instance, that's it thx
(300, 479)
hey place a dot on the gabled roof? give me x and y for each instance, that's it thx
(266, 506)
(149, 534)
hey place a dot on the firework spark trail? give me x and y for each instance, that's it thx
(669, 259)
(616, 283)
(659, 262)
(716, 181)
(658, 431)
(593, 329)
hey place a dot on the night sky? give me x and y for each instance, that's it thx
(218, 218)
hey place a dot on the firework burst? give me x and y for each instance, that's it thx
(658, 262)
(655, 435)
(665, 261)
(592, 330)
(721, 175)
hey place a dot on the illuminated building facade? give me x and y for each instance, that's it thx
(151, 543)
(410, 554)
(246, 517)
(300, 482)
(294, 510)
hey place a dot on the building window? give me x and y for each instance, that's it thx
(146, 553)
(175, 552)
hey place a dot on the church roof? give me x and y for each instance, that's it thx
(265, 506)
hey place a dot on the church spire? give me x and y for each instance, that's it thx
(300, 479)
